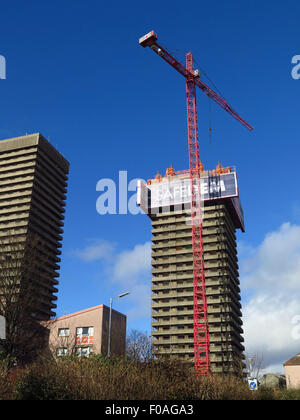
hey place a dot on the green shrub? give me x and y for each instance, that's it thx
(98, 377)
(288, 394)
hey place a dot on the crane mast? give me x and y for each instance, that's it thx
(200, 319)
(201, 333)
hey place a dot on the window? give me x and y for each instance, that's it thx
(62, 351)
(84, 335)
(63, 332)
(83, 351)
(85, 331)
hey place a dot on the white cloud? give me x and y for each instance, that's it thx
(268, 328)
(131, 264)
(100, 250)
(271, 272)
(276, 262)
(128, 270)
(132, 270)
(277, 368)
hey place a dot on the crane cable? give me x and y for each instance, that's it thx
(209, 122)
(209, 100)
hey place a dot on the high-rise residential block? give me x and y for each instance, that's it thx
(33, 186)
(166, 200)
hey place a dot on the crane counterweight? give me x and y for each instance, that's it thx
(148, 39)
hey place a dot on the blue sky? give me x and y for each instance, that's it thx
(76, 73)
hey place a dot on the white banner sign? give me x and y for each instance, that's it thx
(178, 191)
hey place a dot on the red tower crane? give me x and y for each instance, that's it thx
(201, 331)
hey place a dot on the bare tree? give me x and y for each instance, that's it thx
(254, 365)
(59, 342)
(139, 346)
(21, 288)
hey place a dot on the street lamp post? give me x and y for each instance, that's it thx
(109, 324)
(2, 328)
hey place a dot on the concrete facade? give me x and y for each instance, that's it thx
(292, 372)
(86, 332)
(172, 286)
(33, 185)
(273, 380)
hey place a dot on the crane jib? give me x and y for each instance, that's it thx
(166, 56)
